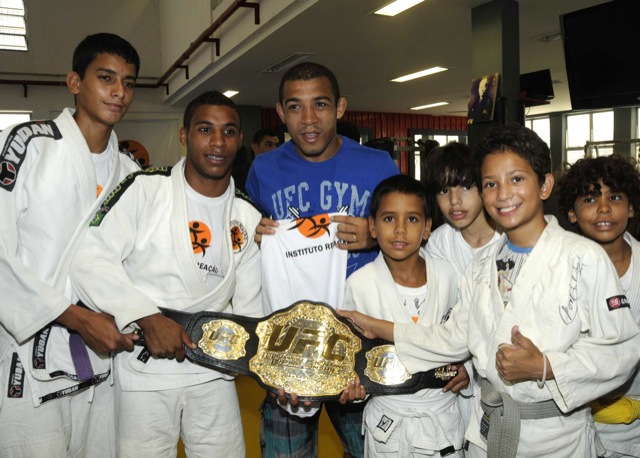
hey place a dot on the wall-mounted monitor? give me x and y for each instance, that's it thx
(603, 70)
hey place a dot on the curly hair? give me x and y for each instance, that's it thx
(520, 140)
(620, 174)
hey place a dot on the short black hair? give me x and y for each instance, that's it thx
(259, 135)
(449, 166)
(403, 184)
(306, 71)
(207, 98)
(581, 179)
(519, 140)
(103, 43)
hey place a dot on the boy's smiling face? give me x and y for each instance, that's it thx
(400, 226)
(602, 216)
(513, 196)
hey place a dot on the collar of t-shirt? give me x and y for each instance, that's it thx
(206, 228)
(102, 164)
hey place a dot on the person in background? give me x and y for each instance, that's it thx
(264, 140)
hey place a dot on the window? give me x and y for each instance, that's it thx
(13, 27)
(442, 137)
(589, 127)
(542, 127)
(10, 118)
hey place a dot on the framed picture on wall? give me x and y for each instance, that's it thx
(483, 98)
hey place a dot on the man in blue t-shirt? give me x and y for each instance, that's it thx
(316, 172)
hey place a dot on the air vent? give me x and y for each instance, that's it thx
(287, 62)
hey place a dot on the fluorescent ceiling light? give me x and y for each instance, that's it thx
(397, 7)
(420, 74)
(431, 105)
(230, 93)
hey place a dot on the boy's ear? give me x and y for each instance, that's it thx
(547, 186)
(427, 229)
(632, 212)
(572, 216)
(372, 228)
(73, 82)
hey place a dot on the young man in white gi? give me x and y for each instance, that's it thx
(53, 176)
(183, 239)
(542, 315)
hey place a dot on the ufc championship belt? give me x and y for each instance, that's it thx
(305, 348)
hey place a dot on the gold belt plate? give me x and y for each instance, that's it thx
(384, 366)
(306, 350)
(223, 339)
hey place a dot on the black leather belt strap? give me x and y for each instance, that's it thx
(306, 348)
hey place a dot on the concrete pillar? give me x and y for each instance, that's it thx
(496, 49)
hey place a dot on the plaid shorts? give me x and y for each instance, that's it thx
(284, 435)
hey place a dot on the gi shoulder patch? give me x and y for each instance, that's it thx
(119, 190)
(15, 148)
(618, 302)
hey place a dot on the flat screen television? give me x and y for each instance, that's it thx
(603, 69)
(537, 85)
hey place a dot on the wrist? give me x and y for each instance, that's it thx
(72, 317)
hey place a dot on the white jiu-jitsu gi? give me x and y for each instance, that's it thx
(447, 243)
(138, 256)
(425, 422)
(621, 439)
(47, 198)
(567, 299)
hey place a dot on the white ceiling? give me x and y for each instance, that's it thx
(365, 51)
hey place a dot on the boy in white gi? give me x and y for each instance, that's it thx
(402, 285)
(542, 315)
(179, 238)
(53, 176)
(600, 195)
(450, 176)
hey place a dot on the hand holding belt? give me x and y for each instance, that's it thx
(306, 349)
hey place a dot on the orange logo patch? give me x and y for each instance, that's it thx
(98, 190)
(200, 237)
(313, 227)
(238, 238)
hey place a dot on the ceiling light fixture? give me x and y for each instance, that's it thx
(287, 62)
(420, 74)
(397, 7)
(230, 93)
(431, 105)
(549, 37)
